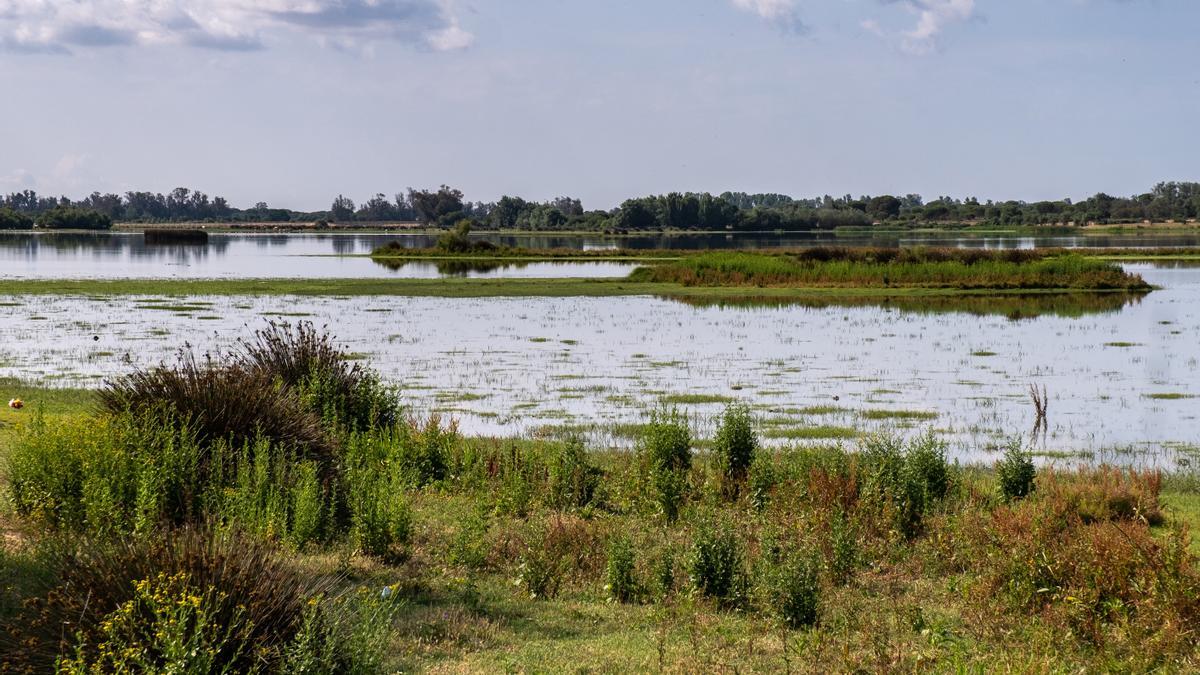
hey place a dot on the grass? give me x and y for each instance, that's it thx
(1168, 396)
(898, 415)
(483, 288)
(921, 565)
(963, 269)
(693, 399)
(822, 432)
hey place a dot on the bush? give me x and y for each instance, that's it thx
(559, 547)
(1016, 473)
(250, 604)
(735, 445)
(622, 585)
(843, 548)
(305, 359)
(717, 568)
(168, 626)
(666, 449)
(572, 479)
(795, 592)
(760, 482)
(105, 475)
(906, 480)
(221, 401)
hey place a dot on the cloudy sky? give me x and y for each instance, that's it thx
(294, 101)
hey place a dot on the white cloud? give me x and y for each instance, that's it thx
(782, 13)
(932, 19)
(63, 26)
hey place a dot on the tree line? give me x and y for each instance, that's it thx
(729, 211)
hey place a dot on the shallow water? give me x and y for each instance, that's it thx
(520, 366)
(52, 255)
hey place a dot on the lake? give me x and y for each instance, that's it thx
(53, 255)
(1119, 375)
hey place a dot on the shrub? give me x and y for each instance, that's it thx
(305, 359)
(572, 479)
(221, 401)
(667, 443)
(469, 545)
(538, 572)
(843, 548)
(559, 547)
(795, 592)
(666, 449)
(622, 584)
(717, 568)
(1016, 473)
(423, 450)
(168, 626)
(734, 446)
(105, 475)
(761, 481)
(664, 572)
(1105, 493)
(906, 480)
(250, 597)
(380, 519)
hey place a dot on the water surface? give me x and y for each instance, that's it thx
(1119, 374)
(52, 255)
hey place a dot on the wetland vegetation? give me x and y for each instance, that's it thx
(275, 507)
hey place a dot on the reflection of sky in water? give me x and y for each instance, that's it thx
(545, 361)
(116, 255)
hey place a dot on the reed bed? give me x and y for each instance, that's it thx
(960, 269)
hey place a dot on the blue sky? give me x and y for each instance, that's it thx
(294, 101)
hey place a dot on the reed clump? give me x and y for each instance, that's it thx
(958, 269)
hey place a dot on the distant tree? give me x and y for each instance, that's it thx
(342, 209)
(377, 208)
(715, 213)
(635, 214)
(884, 207)
(546, 217)
(568, 206)
(13, 220)
(443, 206)
(508, 212)
(68, 218)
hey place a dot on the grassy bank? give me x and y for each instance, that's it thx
(962, 269)
(278, 498)
(456, 288)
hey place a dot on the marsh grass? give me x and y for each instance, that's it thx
(961, 269)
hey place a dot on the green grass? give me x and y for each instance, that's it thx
(51, 400)
(898, 415)
(482, 288)
(916, 268)
(694, 399)
(1168, 396)
(823, 432)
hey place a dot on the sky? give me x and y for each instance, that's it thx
(292, 102)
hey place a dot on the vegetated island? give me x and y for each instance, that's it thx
(276, 510)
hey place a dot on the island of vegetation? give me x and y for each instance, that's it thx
(276, 509)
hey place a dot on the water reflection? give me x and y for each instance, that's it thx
(1015, 307)
(125, 255)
